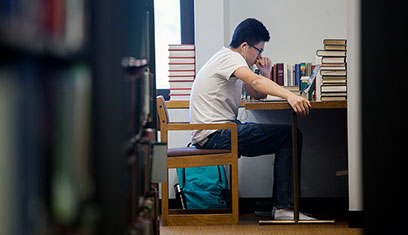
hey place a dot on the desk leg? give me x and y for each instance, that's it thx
(296, 187)
(295, 168)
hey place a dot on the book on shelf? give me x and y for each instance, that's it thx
(279, 73)
(181, 84)
(182, 53)
(288, 76)
(181, 67)
(181, 70)
(181, 60)
(327, 67)
(333, 82)
(180, 91)
(333, 64)
(328, 77)
(332, 53)
(333, 98)
(297, 74)
(273, 73)
(333, 60)
(302, 69)
(181, 47)
(336, 88)
(180, 73)
(334, 41)
(335, 47)
(333, 94)
(183, 78)
(179, 97)
(335, 44)
(334, 72)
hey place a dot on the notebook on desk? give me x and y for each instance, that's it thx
(271, 98)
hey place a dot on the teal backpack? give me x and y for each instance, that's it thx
(204, 187)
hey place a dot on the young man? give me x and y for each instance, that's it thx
(216, 96)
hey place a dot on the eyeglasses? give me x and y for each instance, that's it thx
(259, 50)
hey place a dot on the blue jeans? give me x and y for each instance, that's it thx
(259, 139)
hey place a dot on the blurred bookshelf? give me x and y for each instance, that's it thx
(76, 129)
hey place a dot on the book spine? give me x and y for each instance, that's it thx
(275, 74)
(182, 53)
(297, 74)
(181, 47)
(280, 73)
(181, 79)
(334, 41)
(181, 67)
(329, 53)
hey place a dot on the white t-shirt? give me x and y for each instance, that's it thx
(216, 93)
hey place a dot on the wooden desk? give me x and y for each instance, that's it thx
(283, 105)
(272, 105)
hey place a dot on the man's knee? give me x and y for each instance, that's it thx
(289, 130)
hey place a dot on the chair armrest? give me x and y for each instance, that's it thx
(207, 126)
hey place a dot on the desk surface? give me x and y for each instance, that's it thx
(282, 105)
(273, 105)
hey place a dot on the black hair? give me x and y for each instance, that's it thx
(251, 31)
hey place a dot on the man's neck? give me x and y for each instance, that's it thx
(237, 50)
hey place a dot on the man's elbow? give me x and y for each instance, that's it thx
(256, 83)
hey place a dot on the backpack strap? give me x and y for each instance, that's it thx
(184, 177)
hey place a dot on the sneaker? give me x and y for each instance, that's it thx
(287, 214)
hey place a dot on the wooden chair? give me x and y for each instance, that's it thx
(193, 157)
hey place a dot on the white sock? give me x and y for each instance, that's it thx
(287, 214)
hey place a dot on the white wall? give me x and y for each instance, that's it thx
(209, 20)
(354, 106)
(297, 28)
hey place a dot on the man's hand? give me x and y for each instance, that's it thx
(264, 64)
(299, 104)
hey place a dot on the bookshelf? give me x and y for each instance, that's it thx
(67, 106)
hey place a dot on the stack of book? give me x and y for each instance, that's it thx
(333, 70)
(181, 70)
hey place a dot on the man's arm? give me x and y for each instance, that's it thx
(266, 86)
(254, 93)
(263, 64)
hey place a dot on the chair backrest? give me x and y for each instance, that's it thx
(163, 115)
